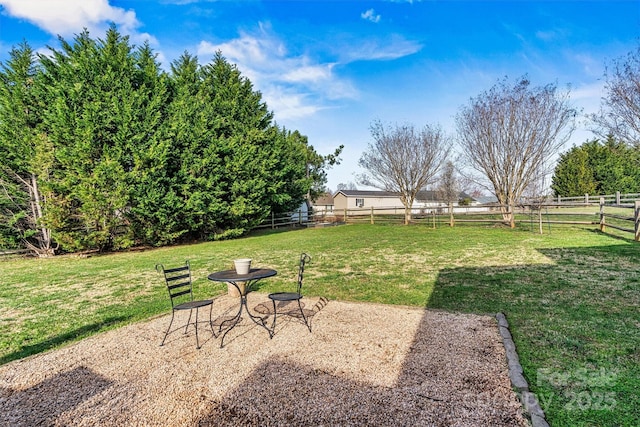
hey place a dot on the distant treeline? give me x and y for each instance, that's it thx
(598, 167)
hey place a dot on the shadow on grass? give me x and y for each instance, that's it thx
(572, 318)
(63, 338)
(612, 235)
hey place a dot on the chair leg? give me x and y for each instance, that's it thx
(188, 321)
(273, 325)
(196, 326)
(303, 316)
(211, 321)
(168, 329)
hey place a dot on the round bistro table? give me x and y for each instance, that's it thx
(249, 280)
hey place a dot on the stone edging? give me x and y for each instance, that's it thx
(519, 383)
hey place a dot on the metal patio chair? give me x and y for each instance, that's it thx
(178, 281)
(292, 296)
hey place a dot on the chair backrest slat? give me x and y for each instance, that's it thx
(304, 259)
(178, 294)
(182, 276)
(178, 285)
(177, 289)
(174, 270)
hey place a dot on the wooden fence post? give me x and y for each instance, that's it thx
(345, 215)
(450, 214)
(540, 218)
(637, 220)
(617, 197)
(602, 225)
(273, 220)
(586, 198)
(371, 214)
(512, 216)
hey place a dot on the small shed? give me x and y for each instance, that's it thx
(302, 214)
(324, 204)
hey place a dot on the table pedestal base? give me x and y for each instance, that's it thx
(238, 317)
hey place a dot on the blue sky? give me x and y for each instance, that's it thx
(328, 69)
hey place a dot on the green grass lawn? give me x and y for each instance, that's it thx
(571, 296)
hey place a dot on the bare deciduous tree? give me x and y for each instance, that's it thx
(509, 133)
(620, 111)
(448, 188)
(26, 154)
(348, 186)
(403, 160)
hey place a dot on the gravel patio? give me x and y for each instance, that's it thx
(363, 364)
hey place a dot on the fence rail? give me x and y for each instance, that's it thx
(617, 198)
(635, 219)
(287, 219)
(8, 253)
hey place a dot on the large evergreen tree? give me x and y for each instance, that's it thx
(573, 175)
(153, 208)
(221, 166)
(101, 117)
(25, 155)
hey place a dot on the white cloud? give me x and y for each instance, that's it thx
(69, 17)
(370, 15)
(182, 2)
(588, 91)
(293, 86)
(588, 96)
(297, 85)
(549, 35)
(591, 66)
(381, 50)
(289, 105)
(552, 35)
(309, 73)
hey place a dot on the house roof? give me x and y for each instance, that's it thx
(367, 193)
(433, 195)
(422, 195)
(324, 200)
(487, 199)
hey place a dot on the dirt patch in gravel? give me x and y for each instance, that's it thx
(363, 364)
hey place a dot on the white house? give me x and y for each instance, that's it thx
(386, 201)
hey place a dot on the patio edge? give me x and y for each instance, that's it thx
(519, 383)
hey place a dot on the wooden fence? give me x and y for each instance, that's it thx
(618, 211)
(615, 199)
(600, 213)
(288, 219)
(620, 221)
